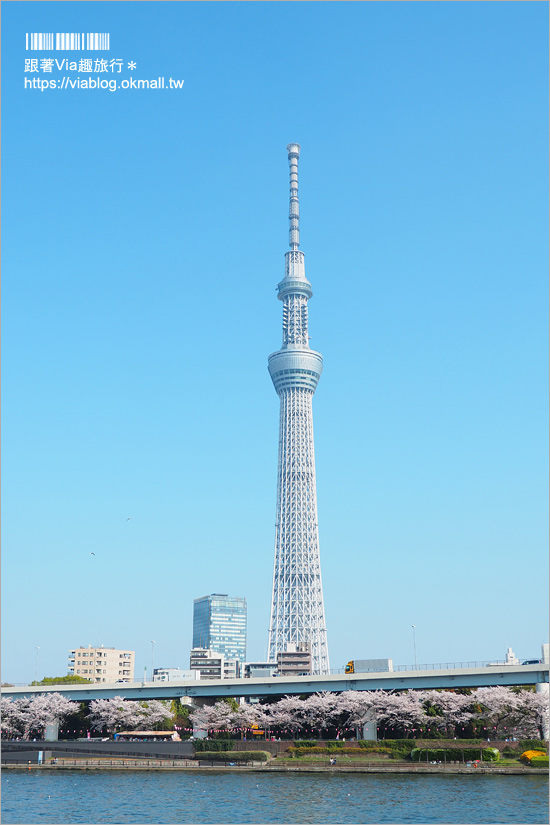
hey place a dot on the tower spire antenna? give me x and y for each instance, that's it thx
(293, 150)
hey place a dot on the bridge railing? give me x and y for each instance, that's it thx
(436, 666)
(449, 665)
(333, 672)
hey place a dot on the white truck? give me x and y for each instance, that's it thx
(369, 666)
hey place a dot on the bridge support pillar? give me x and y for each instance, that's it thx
(369, 727)
(51, 732)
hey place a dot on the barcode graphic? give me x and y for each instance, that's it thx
(39, 42)
(67, 41)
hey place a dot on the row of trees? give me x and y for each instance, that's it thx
(498, 711)
(123, 714)
(26, 717)
(493, 712)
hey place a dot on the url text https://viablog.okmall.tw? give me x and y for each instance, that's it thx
(89, 74)
(109, 84)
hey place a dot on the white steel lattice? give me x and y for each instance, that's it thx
(297, 610)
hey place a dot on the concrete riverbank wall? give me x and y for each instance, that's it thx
(181, 765)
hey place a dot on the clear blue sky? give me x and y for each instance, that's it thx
(144, 235)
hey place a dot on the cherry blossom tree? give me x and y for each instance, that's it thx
(216, 717)
(151, 713)
(201, 717)
(223, 717)
(532, 714)
(287, 714)
(47, 708)
(13, 716)
(113, 713)
(353, 706)
(125, 714)
(403, 711)
(320, 710)
(251, 715)
(451, 709)
(499, 705)
(25, 715)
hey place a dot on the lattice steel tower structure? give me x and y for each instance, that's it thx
(297, 610)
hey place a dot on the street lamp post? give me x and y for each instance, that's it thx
(414, 644)
(36, 665)
(152, 659)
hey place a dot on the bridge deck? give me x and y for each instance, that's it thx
(270, 686)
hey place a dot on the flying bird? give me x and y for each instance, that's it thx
(129, 518)
(92, 554)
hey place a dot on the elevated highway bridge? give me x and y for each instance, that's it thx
(206, 690)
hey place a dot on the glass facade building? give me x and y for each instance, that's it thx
(219, 624)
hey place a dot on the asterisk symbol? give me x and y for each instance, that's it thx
(132, 65)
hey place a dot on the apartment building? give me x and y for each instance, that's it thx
(295, 660)
(213, 665)
(102, 664)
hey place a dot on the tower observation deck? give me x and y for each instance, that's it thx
(297, 610)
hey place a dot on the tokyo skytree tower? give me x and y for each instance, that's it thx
(297, 611)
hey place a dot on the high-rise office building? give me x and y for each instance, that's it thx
(219, 623)
(297, 610)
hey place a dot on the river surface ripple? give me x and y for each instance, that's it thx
(158, 798)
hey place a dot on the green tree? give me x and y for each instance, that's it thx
(180, 717)
(69, 679)
(76, 724)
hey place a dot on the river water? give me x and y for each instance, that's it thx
(217, 797)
